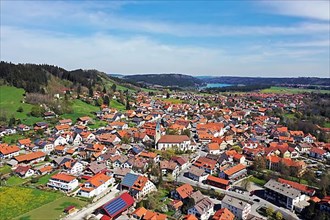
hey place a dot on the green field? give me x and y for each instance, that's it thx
(288, 115)
(16, 181)
(10, 100)
(80, 109)
(117, 105)
(44, 179)
(5, 169)
(16, 201)
(173, 101)
(327, 125)
(286, 90)
(11, 139)
(52, 210)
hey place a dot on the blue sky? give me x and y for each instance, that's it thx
(222, 38)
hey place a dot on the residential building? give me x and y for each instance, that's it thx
(239, 208)
(96, 185)
(202, 209)
(63, 181)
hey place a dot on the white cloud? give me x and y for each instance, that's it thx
(314, 9)
(143, 55)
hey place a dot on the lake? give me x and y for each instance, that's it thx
(216, 85)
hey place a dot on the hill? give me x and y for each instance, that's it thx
(168, 80)
(266, 80)
(52, 79)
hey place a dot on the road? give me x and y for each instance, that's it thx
(256, 201)
(89, 209)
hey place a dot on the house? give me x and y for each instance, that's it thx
(213, 148)
(142, 213)
(181, 142)
(95, 167)
(73, 167)
(24, 171)
(7, 152)
(95, 185)
(169, 167)
(239, 208)
(137, 185)
(182, 192)
(65, 121)
(63, 181)
(317, 153)
(181, 162)
(202, 209)
(285, 195)
(197, 174)
(84, 120)
(217, 182)
(44, 170)
(151, 156)
(33, 157)
(118, 205)
(207, 164)
(23, 128)
(23, 143)
(190, 217)
(223, 214)
(234, 172)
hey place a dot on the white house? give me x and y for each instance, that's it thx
(138, 185)
(63, 181)
(96, 185)
(181, 142)
(7, 152)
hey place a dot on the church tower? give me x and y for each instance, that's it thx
(158, 133)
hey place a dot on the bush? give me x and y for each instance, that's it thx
(34, 180)
(20, 109)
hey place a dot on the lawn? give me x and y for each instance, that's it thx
(10, 100)
(44, 179)
(98, 124)
(11, 139)
(257, 181)
(52, 210)
(15, 181)
(327, 125)
(5, 169)
(117, 105)
(173, 101)
(283, 90)
(288, 115)
(81, 108)
(15, 201)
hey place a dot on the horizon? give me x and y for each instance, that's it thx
(285, 39)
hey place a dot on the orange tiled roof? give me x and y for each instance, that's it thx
(25, 141)
(140, 182)
(218, 180)
(63, 177)
(5, 149)
(213, 146)
(234, 169)
(98, 179)
(185, 190)
(30, 156)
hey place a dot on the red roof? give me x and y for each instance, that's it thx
(127, 198)
(173, 139)
(218, 180)
(297, 186)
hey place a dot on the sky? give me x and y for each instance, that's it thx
(266, 38)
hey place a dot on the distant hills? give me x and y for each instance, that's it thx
(266, 80)
(167, 80)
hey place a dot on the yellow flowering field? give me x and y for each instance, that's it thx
(15, 201)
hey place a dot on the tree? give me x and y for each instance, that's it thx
(284, 170)
(79, 89)
(90, 91)
(114, 87)
(128, 107)
(20, 109)
(99, 101)
(12, 121)
(309, 175)
(187, 204)
(278, 215)
(186, 132)
(259, 163)
(269, 211)
(37, 111)
(106, 100)
(104, 90)
(245, 183)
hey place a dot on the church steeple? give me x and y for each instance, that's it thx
(158, 132)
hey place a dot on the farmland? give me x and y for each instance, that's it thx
(286, 90)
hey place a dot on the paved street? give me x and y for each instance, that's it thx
(255, 200)
(81, 214)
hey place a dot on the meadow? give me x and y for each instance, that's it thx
(287, 90)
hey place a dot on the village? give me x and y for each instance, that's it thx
(177, 156)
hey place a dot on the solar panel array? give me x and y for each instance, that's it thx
(114, 206)
(129, 179)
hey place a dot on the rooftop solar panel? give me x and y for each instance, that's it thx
(118, 205)
(129, 179)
